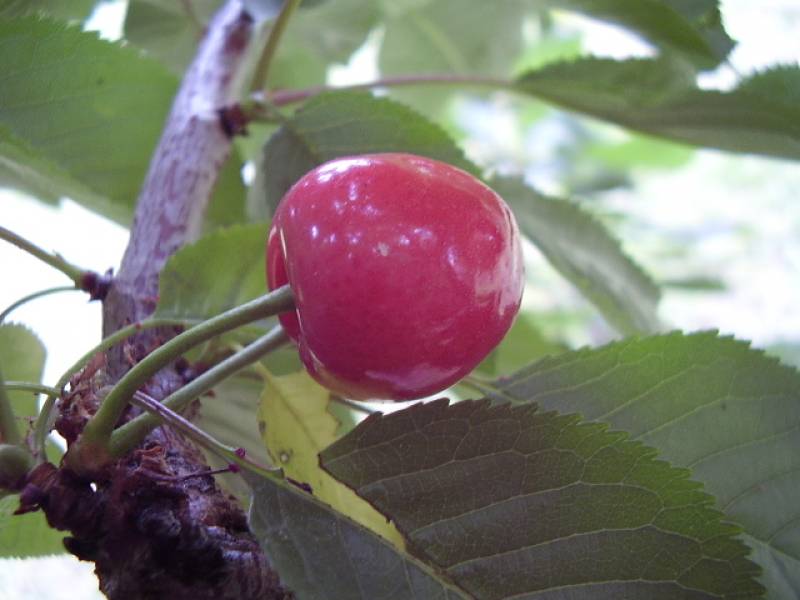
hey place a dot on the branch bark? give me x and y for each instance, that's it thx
(150, 533)
(185, 166)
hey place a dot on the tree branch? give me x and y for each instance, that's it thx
(185, 166)
(153, 528)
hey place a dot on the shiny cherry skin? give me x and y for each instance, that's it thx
(406, 273)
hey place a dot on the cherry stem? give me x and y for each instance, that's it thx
(9, 432)
(275, 34)
(44, 422)
(34, 296)
(97, 432)
(284, 97)
(76, 274)
(130, 435)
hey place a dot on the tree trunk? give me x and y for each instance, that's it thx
(151, 531)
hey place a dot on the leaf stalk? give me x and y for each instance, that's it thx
(271, 47)
(34, 296)
(76, 274)
(284, 97)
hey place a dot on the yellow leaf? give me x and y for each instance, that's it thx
(295, 425)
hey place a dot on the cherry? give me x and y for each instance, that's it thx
(406, 273)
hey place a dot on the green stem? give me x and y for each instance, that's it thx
(35, 388)
(260, 109)
(160, 413)
(132, 433)
(275, 34)
(114, 339)
(283, 97)
(188, 9)
(485, 387)
(98, 430)
(356, 406)
(44, 422)
(54, 260)
(9, 432)
(34, 296)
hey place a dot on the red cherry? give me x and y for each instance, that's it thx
(406, 273)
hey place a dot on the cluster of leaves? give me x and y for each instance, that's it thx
(512, 495)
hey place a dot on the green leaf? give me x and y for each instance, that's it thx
(71, 10)
(697, 283)
(523, 343)
(729, 413)
(451, 36)
(22, 358)
(166, 31)
(705, 16)
(322, 554)
(510, 502)
(317, 37)
(547, 50)
(26, 535)
(338, 124)
(334, 30)
(583, 251)
(693, 30)
(296, 425)
(787, 352)
(92, 110)
(780, 81)
(25, 169)
(659, 97)
(296, 66)
(641, 151)
(220, 271)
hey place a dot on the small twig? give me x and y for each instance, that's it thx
(275, 34)
(161, 413)
(54, 260)
(132, 433)
(88, 281)
(284, 97)
(35, 388)
(34, 296)
(231, 468)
